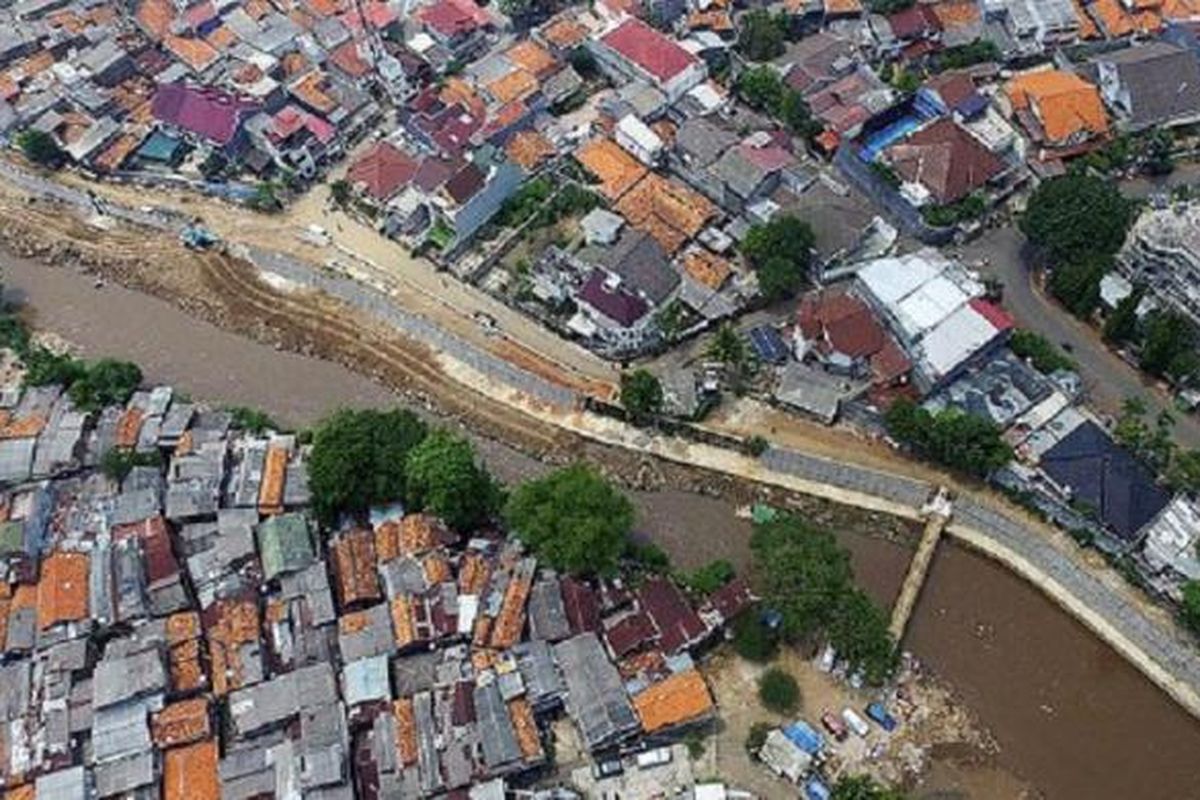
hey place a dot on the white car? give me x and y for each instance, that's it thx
(654, 758)
(855, 722)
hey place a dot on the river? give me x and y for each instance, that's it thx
(1071, 717)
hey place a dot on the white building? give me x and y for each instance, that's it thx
(638, 140)
(1169, 546)
(1162, 251)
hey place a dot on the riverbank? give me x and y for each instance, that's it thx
(1006, 651)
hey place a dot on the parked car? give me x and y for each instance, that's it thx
(834, 725)
(817, 789)
(855, 722)
(877, 712)
(654, 758)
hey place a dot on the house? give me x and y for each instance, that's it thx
(615, 169)
(941, 163)
(1162, 251)
(1091, 471)
(666, 210)
(748, 171)
(382, 171)
(1060, 112)
(296, 139)
(1156, 84)
(634, 51)
(209, 115)
(936, 312)
(458, 25)
(638, 139)
(840, 331)
(1168, 546)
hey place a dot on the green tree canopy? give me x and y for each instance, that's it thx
(1076, 216)
(1076, 284)
(727, 347)
(781, 252)
(802, 573)
(40, 148)
(1121, 325)
(963, 442)
(444, 477)
(863, 787)
(359, 460)
(105, 382)
(760, 88)
(1169, 346)
(762, 35)
(860, 635)
(641, 394)
(778, 691)
(1184, 472)
(1189, 610)
(573, 518)
(752, 639)
(1044, 356)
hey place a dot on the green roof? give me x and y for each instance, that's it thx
(284, 544)
(12, 537)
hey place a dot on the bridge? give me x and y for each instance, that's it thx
(937, 513)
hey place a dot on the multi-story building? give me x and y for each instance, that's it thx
(1162, 252)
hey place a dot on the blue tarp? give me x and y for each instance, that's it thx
(804, 736)
(815, 789)
(877, 712)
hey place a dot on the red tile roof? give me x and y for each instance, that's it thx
(650, 50)
(62, 591)
(679, 626)
(945, 159)
(453, 18)
(631, 633)
(382, 171)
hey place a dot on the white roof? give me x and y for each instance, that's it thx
(1171, 538)
(420, 43)
(639, 132)
(954, 340)
(1114, 289)
(707, 96)
(929, 304)
(783, 756)
(709, 791)
(894, 278)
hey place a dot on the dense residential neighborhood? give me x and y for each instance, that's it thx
(739, 226)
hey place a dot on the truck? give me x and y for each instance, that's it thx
(855, 722)
(879, 713)
(834, 725)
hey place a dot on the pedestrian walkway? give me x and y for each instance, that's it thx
(937, 516)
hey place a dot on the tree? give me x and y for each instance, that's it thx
(359, 460)
(728, 347)
(752, 639)
(778, 691)
(265, 198)
(573, 519)
(795, 113)
(1044, 356)
(251, 420)
(760, 88)
(1159, 152)
(863, 787)
(105, 382)
(802, 574)
(339, 192)
(1121, 324)
(1076, 284)
(1189, 610)
(757, 737)
(1072, 217)
(1184, 472)
(762, 35)
(443, 476)
(781, 252)
(516, 8)
(40, 148)
(711, 577)
(1169, 339)
(860, 635)
(963, 442)
(641, 395)
(1131, 429)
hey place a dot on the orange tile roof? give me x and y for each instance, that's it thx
(155, 17)
(532, 57)
(324, 8)
(707, 269)
(511, 620)
(528, 149)
(516, 85)
(1065, 103)
(1181, 10)
(257, 9)
(526, 728)
(66, 19)
(473, 573)
(309, 89)
(354, 567)
(187, 673)
(437, 569)
(1148, 20)
(182, 626)
(387, 540)
(190, 772)
(115, 154)
(37, 63)
(5, 608)
(1113, 17)
(222, 38)
(456, 90)
(235, 624)
(183, 722)
(837, 7)
(712, 20)
(270, 491)
(483, 627)
(102, 15)
(616, 169)
(418, 533)
(681, 698)
(666, 209)
(402, 621)
(564, 33)
(406, 731)
(196, 53)
(62, 591)
(26, 792)
(129, 425)
(1087, 27)
(956, 13)
(23, 428)
(293, 64)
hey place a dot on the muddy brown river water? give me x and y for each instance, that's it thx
(1071, 717)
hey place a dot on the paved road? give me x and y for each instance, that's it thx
(1108, 379)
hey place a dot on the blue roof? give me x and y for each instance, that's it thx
(768, 344)
(815, 789)
(804, 736)
(972, 106)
